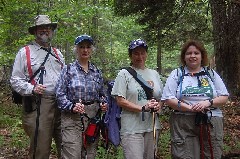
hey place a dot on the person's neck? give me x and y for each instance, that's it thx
(42, 44)
(84, 64)
(138, 67)
(194, 69)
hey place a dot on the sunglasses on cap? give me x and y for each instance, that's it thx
(136, 43)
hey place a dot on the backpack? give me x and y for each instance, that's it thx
(207, 71)
(112, 117)
(181, 73)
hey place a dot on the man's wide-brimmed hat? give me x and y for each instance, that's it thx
(42, 20)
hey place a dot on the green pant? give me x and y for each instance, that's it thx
(49, 127)
(185, 137)
(72, 134)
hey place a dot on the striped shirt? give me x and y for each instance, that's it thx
(74, 84)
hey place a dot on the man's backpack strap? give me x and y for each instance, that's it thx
(147, 88)
(31, 75)
(33, 82)
(55, 51)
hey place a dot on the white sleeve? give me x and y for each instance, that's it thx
(171, 86)
(219, 85)
(19, 78)
(120, 85)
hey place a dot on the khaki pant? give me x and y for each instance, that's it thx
(185, 137)
(49, 127)
(139, 146)
(72, 134)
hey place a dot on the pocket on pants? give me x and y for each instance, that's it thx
(178, 147)
(71, 129)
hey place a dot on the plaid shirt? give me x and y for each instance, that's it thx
(74, 84)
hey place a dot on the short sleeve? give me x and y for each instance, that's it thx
(120, 85)
(171, 86)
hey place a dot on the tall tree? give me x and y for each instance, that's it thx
(226, 24)
(167, 23)
(153, 15)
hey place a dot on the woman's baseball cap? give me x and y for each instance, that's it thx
(136, 43)
(81, 38)
(42, 20)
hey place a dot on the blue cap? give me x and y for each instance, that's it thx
(81, 38)
(137, 43)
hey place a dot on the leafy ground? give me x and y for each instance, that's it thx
(14, 143)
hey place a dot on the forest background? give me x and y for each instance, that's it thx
(164, 24)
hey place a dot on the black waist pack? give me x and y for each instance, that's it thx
(16, 97)
(27, 104)
(26, 101)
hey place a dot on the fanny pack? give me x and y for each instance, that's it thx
(93, 129)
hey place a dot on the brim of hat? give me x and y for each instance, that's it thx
(145, 47)
(32, 28)
(84, 40)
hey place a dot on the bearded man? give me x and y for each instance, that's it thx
(35, 73)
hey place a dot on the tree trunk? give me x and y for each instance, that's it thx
(226, 24)
(159, 53)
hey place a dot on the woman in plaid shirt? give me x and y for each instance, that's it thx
(80, 90)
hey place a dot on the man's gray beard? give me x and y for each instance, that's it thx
(44, 38)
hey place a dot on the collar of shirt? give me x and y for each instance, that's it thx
(91, 67)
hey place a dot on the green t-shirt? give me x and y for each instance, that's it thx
(127, 87)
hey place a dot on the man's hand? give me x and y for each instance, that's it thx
(39, 89)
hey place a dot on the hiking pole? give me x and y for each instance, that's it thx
(201, 122)
(154, 131)
(83, 134)
(208, 124)
(209, 141)
(103, 127)
(201, 140)
(38, 102)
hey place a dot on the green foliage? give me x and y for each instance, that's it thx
(111, 153)
(1, 141)
(111, 34)
(164, 144)
(168, 24)
(10, 120)
(19, 139)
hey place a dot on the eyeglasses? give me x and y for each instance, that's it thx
(136, 43)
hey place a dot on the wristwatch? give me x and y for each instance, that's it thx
(211, 102)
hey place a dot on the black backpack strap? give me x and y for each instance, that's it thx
(38, 70)
(147, 88)
(209, 73)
